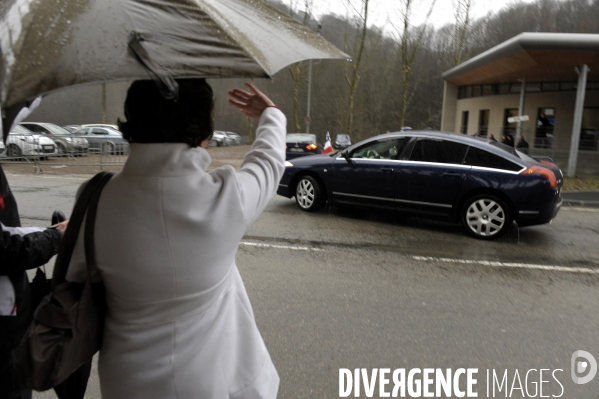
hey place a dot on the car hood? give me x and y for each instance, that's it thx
(45, 140)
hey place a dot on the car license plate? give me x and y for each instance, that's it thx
(48, 147)
(296, 150)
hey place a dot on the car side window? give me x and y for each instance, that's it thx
(486, 159)
(99, 131)
(381, 149)
(438, 151)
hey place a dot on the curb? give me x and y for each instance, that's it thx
(590, 204)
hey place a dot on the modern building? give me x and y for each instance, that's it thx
(541, 86)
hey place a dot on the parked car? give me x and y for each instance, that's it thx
(113, 127)
(301, 144)
(2, 148)
(222, 139)
(235, 137)
(65, 142)
(342, 141)
(72, 128)
(103, 139)
(24, 143)
(483, 184)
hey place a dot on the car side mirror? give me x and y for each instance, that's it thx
(345, 154)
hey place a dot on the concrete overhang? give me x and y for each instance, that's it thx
(540, 57)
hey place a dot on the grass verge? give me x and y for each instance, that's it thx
(590, 183)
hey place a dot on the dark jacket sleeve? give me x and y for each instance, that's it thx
(19, 253)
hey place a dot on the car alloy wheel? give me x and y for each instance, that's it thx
(309, 194)
(13, 151)
(486, 217)
(108, 148)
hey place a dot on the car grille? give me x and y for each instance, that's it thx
(47, 149)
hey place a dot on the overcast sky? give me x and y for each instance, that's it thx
(381, 10)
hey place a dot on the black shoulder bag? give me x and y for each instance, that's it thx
(68, 324)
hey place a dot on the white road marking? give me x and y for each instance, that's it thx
(55, 177)
(508, 264)
(296, 248)
(579, 209)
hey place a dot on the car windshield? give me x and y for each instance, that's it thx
(301, 138)
(18, 129)
(55, 129)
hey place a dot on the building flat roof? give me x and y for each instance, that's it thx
(537, 56)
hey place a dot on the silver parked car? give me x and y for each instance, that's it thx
(235, 137)
(222, 139)
(103, 139)
(65, 142)
(24, 143)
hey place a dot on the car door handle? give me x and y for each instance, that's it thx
(387, 169)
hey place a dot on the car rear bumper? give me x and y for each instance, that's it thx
(546, 215)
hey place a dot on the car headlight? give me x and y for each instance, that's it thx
(69, 140)
(288, 164)
(28, 139)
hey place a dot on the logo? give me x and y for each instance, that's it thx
(580, 366)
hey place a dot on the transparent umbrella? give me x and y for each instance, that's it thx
(48, 45)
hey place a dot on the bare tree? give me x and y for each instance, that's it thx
(352, 73)
(462, 10)
(296, 71)
(410, 42)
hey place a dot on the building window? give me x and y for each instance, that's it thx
(589, 132)
(550, 86)
(509, 127)
(533, 87)
(483, 122)
(513, 88)
(544, 128)
(464, 127)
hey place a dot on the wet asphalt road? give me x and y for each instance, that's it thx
(342, 289)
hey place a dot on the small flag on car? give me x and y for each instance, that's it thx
(327, 145)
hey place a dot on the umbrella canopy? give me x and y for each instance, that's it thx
(50, 44)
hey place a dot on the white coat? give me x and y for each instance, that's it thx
(179, 322)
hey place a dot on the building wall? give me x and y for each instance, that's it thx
(563, 102)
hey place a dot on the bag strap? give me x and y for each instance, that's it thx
(90, 223)
(67, 244)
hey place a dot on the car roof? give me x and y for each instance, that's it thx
(480, 142)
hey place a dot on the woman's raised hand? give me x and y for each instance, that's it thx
(252, 104)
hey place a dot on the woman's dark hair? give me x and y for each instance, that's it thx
(153, 119)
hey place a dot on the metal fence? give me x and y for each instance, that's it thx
(42, 153)
(38, 152)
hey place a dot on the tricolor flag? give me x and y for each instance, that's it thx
(327, 145)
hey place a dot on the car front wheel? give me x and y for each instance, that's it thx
(13, 151)
(486, 217)
(309, 195)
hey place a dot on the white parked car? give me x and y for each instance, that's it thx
(222, 139)
(24, 143)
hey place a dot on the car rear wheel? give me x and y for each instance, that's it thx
(108, 148)
(13, 151)
(309, 195)
(486, 217)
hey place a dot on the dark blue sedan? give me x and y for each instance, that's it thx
(483, 184)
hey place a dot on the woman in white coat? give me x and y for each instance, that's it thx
(179, 321)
